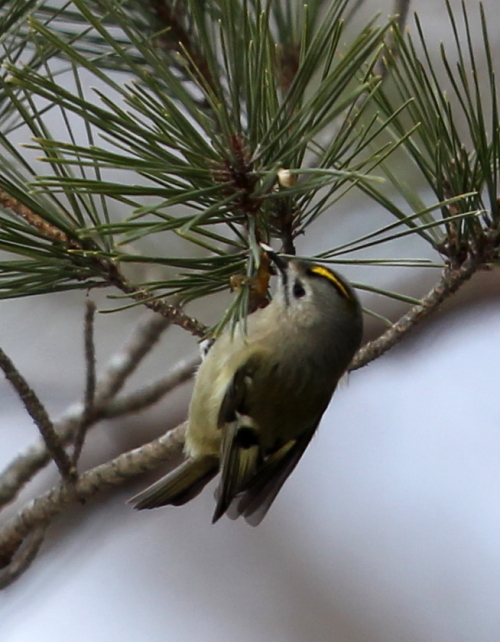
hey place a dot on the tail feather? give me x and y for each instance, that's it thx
(179, 486)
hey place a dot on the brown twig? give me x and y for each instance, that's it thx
(171, 312)
(449, 283)
(143, 339)
(44, 227)
(37, 412)
(149, 395)
(40, 511)
(90, 380)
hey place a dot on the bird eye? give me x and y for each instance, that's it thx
(298, 290)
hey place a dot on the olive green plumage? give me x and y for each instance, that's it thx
(261, 391)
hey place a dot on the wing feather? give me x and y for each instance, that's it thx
(241, 444)
(256, 499)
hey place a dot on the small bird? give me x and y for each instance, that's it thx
(261, 390)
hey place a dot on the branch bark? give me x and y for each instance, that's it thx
(25, 556)
(90, 383)
(173, 313)
(40, 416)
(39, 512)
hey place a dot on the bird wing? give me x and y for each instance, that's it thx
(256, 499)
(241, 450)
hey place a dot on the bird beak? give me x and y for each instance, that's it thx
(280, 262)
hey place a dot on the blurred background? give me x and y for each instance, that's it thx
(388, 530)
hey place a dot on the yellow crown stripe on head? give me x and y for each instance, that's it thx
(327, 274)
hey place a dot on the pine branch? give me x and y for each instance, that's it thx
(226, 168)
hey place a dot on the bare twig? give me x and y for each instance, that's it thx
(114, 473)
(21, 469)
(149, 395)
(25, 556)
(37, 412)
(124, 363)
(26, 465)
(90, 380)
(449, 283)
(119, 369)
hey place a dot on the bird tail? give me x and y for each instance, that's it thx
(179, 486)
